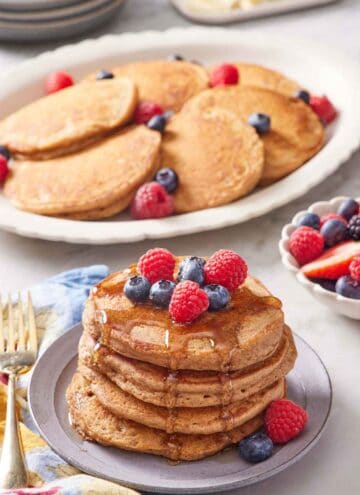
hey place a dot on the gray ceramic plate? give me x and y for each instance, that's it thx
(308, 385)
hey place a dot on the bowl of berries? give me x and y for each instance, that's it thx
(321, 246)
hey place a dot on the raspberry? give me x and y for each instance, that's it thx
(226, 268)
(331, 216)
(151, 201)
(145, 110)
(4, 169)
(157, 264)
(306, 244)
(188, 302)
(355, 268)
(323, 107)
(56, 81)
(284, 420)
(224, 75)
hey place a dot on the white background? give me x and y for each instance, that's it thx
(332, 467)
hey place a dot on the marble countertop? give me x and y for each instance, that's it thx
(331, 467)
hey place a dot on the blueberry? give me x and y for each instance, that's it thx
(192, 269)
(333, 231)
(348, 208)
(168, 114)
(325, 283)
(167, 178)
(104, 74)
(260, 122)
(256, 448)
(137, 289)
(5, 152)
(218, 295)
(157, 123)
(175, 57)
(309, 220)
(348, 287)
(161, 292)
(303, 95)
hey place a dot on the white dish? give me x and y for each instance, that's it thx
(336, 302)
(269, 7)
(316, 68)
(26, 5)
(61, 28)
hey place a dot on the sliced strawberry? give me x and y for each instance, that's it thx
(334, 262)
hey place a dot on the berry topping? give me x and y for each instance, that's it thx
(323, 107)
(284, 420)
(334, 262)
(104, 74)
(5, 152)
(348, 287)
(146, 110)
(157, 123)
(309, 220)
(355, 268)
(218, 296)
(331, 216)
(175, 57)
(192, 269)
(137, 289)
(151, 201)
(306, 244)
(354, 228)
(57, 81)
(157, 264)
(348, 208)
(333, 232)
(161, 292)
(168, 114)
(260, 122)
(224, 75)
(226, 268)
(256, 448)
(4, 169)
(303, 95)
(168, 178)
(188, 302)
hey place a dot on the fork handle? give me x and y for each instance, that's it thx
(13, 472)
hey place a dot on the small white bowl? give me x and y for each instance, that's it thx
(340, 304)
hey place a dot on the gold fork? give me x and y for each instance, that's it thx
(18, 350)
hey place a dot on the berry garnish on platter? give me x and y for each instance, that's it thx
(224, 75)
(197, 286)
(58, 80)
(328, 248)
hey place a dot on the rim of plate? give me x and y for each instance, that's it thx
(51, 426)
(344, 141)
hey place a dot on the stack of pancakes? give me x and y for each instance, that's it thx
(79, 156)
(183, 392)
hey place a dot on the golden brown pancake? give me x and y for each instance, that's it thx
(95, 423)
(90, 179)
(170, 84)
(245, 333)
(296, 132)
(217, 157)
(185, 388)
(69, 118)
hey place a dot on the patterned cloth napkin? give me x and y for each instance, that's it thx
(59, 303)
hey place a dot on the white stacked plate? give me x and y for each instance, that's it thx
(35, 20)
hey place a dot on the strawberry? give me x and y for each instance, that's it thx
(334, 262)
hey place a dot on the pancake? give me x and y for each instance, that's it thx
(101, 213)
(218, 158)
(161, 387)
(168, 83)
(95, 423)
(248, 331)
(296, 132)
(59, 122)
(263, 77)
(90, 179)
(201, 420)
